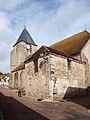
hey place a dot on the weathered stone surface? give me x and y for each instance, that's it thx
(19, 54)
(54, 79)
(38, 83)
(68, 81)
(85, 56)
(51, 77)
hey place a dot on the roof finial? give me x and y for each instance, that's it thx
(24, 26)
(85, 27)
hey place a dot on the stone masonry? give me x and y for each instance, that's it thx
(47, 73)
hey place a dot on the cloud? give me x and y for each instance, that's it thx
(5, 66)
(6, 40)
(9, 4)
(71, 15)
(54, 25)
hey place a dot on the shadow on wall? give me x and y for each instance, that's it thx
(73, 92)
(14, 110)
(81, 96)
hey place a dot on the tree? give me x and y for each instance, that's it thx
(1, 73)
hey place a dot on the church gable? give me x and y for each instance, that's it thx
(86, 48)
(85, 56)
(44, 51)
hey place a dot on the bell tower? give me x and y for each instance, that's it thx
(24, 47)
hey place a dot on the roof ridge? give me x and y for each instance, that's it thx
(73, 44)
(71, 36)
(51, 50)
(79, 33)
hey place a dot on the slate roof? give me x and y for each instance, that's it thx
(25, 37)
(73, 44)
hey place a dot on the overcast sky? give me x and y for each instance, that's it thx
(48, 21)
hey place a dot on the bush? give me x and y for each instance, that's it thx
(23, 91)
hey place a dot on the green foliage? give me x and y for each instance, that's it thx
(23, 91)
(1, 73)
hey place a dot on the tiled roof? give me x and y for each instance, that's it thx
(25, 37)
(73, 44)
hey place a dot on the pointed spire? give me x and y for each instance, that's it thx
(24, 26)
(25, 37)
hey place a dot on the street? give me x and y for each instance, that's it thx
(25, 108)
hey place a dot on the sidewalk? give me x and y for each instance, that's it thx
(25, 108)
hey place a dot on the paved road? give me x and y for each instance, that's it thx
(25, 108)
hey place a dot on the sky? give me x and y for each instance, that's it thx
(48, 22)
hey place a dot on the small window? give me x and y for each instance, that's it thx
(52, 72)
(69, 64)
(30, 48)
(36, 65)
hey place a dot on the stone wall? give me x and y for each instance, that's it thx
(18, 79)
(38, 83)
(85, 56)
(55, 79)
(19, 54)
(11, 81)
(66, 81)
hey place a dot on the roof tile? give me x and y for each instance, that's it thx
(73, 44)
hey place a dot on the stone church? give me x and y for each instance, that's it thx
(58, 71)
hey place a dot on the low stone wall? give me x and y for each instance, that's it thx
(75, 92)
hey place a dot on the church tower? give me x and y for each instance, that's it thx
(24, 47)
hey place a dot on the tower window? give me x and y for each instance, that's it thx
(30, 48)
